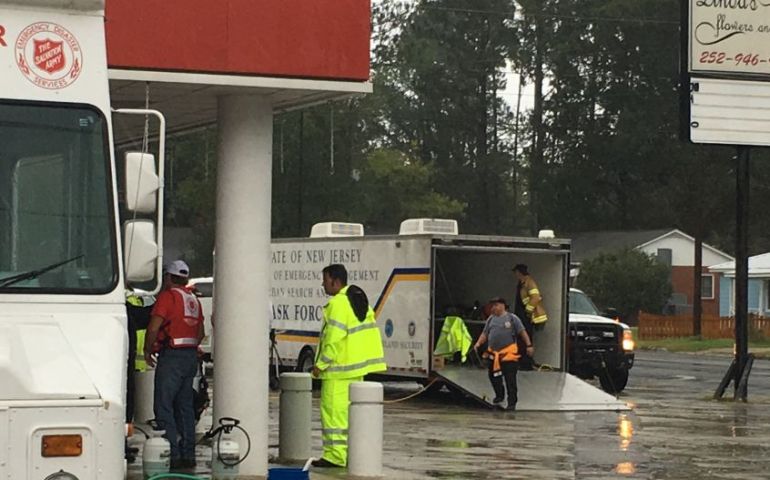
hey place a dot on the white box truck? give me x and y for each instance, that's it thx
(63, 334)
(412, 280)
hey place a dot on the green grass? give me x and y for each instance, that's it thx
(693, 344)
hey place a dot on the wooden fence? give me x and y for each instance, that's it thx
(653, 327)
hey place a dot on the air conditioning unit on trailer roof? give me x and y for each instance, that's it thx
(336, 229)
(436, 226)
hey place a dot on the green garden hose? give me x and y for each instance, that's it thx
(175, 475)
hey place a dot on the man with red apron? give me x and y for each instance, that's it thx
(171, 346)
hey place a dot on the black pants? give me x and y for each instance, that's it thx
(138, 319)
(527, 362)
(507, 372)
(130, 369)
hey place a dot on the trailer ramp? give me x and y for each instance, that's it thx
(538, 390)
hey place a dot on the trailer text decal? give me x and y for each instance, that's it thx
(49, 55)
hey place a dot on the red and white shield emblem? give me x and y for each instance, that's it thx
(49, 55)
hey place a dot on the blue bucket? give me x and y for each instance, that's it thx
(287, 473)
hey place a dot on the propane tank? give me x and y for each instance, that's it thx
(156, 455)
(225, 457)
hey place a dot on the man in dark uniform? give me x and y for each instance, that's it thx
(138, 317)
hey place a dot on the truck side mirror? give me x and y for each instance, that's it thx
(142, 182)
(141, 250)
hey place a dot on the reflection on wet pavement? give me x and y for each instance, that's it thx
(674, 431)
(626, 430)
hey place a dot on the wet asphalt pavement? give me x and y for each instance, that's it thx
(674, 431)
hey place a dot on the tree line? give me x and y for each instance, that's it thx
(599, 149)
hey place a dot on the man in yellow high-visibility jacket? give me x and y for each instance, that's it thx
(350, 347)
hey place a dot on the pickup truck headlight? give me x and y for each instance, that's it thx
(628, 341)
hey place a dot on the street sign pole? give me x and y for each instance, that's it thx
(725, 100)
(739, 370)
(741, 272)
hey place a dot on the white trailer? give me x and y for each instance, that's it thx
(412, 280)
(63, 340)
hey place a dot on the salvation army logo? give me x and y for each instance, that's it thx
(49, 55)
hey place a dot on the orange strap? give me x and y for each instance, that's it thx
(507, 354)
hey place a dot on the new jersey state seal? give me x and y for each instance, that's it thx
(49, 55)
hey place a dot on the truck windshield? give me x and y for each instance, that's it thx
(56, 233)
(580, 303)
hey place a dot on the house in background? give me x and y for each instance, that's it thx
(759, 286)
(671, 247)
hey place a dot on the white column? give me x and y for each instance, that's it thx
(365, 430)
(241, 324)
(295, 434)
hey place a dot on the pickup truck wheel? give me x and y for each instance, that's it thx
(614, 381)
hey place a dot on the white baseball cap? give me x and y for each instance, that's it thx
(178, 268)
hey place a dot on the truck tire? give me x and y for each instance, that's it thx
(305, 360)
(614, 380)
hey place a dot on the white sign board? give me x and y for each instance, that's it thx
(731, 112)
(730, 36)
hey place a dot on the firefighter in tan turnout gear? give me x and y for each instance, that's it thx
(529, 307)
(350, 346)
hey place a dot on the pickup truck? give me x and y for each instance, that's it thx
(598, 346)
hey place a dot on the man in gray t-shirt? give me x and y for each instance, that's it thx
(501, 330)
(500, 334)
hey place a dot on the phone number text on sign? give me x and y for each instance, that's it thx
(730, 36)
(749, 59)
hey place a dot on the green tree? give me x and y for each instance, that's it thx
(191, 189)
(628, 280)
(445, 70)
(394, 187)
(612, 158)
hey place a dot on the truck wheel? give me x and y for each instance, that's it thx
(614, 381)
(305, 360)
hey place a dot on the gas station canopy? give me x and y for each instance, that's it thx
(179, 56)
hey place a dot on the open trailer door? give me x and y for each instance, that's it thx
(470, 269)
(538, 390)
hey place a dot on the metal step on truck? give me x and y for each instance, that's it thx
(63, 333)
(413, 279)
